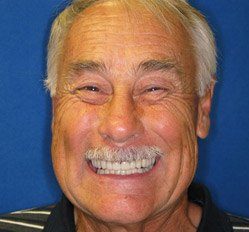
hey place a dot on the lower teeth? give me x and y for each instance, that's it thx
(123, 172)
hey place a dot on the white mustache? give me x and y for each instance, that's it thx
(123, 154)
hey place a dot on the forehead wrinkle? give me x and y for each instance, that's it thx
(117, 15)
(119, 10)
(119, 26)
(128, 38)
(93, 35)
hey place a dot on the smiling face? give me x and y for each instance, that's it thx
(126, 82)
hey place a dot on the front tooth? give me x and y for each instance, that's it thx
(103, 164)
(109, 165)
(144, 163)
(116, 166)
(125, 166)
(94, 163)
(107, 171)
(101, 171)
(132, 165)
(98, 163)
(123, 172)
(149, 162)
(138, 164)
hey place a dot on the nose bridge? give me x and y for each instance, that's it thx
(120, 104)
(121, 122)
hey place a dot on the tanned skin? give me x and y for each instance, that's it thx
(128, 81)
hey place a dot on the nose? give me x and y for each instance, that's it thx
(121, 124)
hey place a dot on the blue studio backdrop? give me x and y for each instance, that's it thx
(26, 175)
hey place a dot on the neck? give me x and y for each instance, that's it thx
(183, 216)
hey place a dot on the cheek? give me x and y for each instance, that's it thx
(173, 129)
(76, 126)
(77, 130)
(172, 120)
(165, 124)
(73, 128)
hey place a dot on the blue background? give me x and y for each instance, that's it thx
(26, 176)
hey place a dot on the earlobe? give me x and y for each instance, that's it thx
(204, 108)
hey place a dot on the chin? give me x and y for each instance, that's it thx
(126, 211)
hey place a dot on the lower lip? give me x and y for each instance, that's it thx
(93, 170)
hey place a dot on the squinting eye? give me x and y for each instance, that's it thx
(90, 88)
(92, 94)
(154, 89)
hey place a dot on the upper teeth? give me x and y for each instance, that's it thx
(123, 168)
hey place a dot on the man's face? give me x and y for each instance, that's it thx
(125, 81)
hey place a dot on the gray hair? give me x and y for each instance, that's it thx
(201, 36)
(124, 154)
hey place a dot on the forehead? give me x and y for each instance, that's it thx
(113, 33)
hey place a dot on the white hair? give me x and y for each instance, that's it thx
(201, 36)
(123, 154)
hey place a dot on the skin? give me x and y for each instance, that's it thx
(122, 106)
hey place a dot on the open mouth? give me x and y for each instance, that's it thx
(103, 167)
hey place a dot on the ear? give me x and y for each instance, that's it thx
(204, 108)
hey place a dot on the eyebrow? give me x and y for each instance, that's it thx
(163, 65)
(87, 65)
(159, 65)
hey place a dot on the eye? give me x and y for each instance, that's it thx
(90, 88)
(93, 94)
(154, 89)
(154, 93)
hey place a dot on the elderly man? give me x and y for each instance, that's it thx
(131, 85)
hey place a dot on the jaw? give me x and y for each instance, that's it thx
(174, 218)
(118, 198)
(124, 199)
